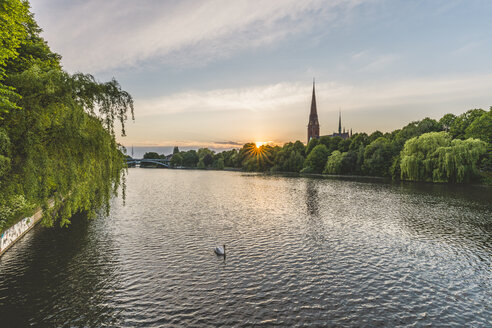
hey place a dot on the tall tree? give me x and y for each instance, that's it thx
(14, 15)
(59, 144)
(316, 160)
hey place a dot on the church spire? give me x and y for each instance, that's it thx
(313, 125)
(314, 113)
(339, 121)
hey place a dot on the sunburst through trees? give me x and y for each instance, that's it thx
(258, 156)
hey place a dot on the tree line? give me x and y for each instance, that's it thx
(455, 149)
(57, 134)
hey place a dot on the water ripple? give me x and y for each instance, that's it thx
(300, 252)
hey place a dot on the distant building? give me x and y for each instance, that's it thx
(313, 125)
(344, 135)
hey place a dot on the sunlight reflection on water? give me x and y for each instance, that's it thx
(300, 251)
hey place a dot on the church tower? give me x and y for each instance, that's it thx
(313, 125)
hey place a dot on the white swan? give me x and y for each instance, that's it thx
(220, 250)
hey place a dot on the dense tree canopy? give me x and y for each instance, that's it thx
(436, 157)
(377, 157)
(423, 150)
(14, 16)
(290, 158)
(316, 160)
(58, 141)
(334, 163)
(481, 127)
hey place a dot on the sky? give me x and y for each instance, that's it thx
(221, 73)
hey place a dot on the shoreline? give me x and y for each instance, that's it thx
(325, 176)
(15, 232)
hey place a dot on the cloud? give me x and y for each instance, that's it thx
(228, 143)
(102, 35)
(370, 61)
(279, 112)
(257, 98)
(289, 96)
(190, 144)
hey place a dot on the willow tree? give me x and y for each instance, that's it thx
(59, 144)
(459, 161)
(416, 160)
(435, 157)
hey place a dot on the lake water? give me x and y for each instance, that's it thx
(300, 252)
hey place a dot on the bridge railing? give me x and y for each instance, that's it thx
(162, 162)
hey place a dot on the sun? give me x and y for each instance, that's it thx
(259, 150)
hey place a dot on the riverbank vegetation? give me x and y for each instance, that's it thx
(454, 149)
(57, 130)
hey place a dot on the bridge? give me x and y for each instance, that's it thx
(136, 161)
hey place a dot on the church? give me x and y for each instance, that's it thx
(313, 125)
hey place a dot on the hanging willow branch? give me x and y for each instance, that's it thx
(106, 101)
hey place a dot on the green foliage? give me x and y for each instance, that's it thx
(61, 152)
(252, 158)
(230, 158)
(202, 152)
(436, 157)
(289, 158)
(344, 145)
(177, 160)
(14, 206)
(357, 140)
(375, 135)
(447, 121)
(4, 154)
(349, 163)
(395, 170)
(33, 50)
(106, 101)
(378, 154)
(382, 154)
(486, 165)
(461, 123)
(334, 163)
(316, 160)
(13, 18)
(208, 159)
(60, 146)
(331, 143)
(377, 157)
(481, 127)
(151, 155)
(417, 162)
(312, 143)
(190, 158)
(458, 162)
(220, 164)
